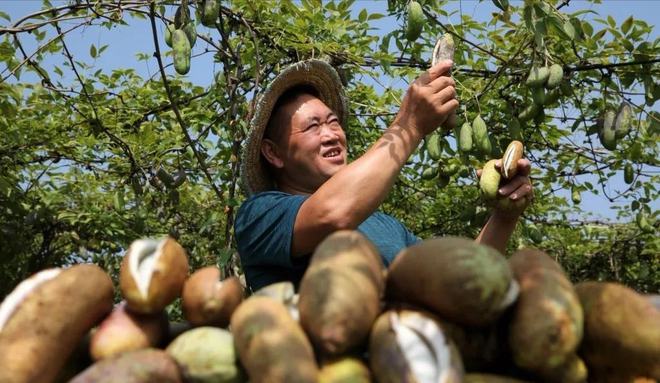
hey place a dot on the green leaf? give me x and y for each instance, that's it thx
(611, 21)
(362, 17)
(634, 205)
(92, 51)
(569, 29)
(587, 28)
(118, 200)
(628, 45)
(5, 16)
(599, 35)
(501, 4)
(625, 27)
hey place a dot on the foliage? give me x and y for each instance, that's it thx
(81, 146)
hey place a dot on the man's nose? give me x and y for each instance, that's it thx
(329, 133)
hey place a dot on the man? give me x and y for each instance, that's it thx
(301, 187)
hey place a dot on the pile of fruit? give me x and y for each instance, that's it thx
(446, 310)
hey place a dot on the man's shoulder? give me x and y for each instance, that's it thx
(267, 198)
(268, 204)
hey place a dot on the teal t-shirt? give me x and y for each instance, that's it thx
(264, 229)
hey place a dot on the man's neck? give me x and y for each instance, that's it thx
(292, 189)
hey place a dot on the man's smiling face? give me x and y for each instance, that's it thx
(311, 144)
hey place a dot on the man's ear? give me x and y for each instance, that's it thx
(270, 151)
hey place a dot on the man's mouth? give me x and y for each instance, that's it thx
(332, 153)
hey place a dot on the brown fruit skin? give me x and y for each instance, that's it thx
(208, 301)
(48, 325)
(515, 149)
(339, 296)
(386, 359)
(166, 282)
(271, 345)
(123, 331)
(454, 277)
(547, 322)
(621, 331)
(141, 366)
(481, 349)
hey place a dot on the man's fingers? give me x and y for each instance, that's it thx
(446, 94)
(512, 185)
(441, 83)
(523, 191)
(448, 106)
(436, 71)
(524, 167)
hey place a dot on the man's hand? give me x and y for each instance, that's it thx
(519, 190)
(519, 193)
(430, 99)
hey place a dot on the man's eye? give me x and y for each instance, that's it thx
(313, 126)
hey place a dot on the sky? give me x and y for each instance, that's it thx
(127, 42)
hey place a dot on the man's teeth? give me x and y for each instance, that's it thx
(332, 153)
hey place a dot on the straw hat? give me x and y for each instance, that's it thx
(319, 74)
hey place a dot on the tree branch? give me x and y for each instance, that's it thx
(175, 108)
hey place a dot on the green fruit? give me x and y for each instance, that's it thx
(429, 173)
(465, 138)
(576, 196)
(489, 182)
(443, 180)
(624, 120)
(643, 223)
(164, 176)
(607, 133)
(210, 12)
(547, 321)
(565, 88)
(206, 354)
(556, 73)
(458, 279)
(537, 77)
(535, 234)
(538, 96)
(486, 146)
(191, 33)
(552, 96)
(651, 93)
(628, 174)
(415, 21)
(480, 133)
(539, 118)
(168, 34)
(182, 16)
(434, 146)
(182, 51)
(450, 169)
(346, 369)
(514, 129)
(529, 112)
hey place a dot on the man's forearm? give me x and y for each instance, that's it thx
(358, 189)
(497, 231)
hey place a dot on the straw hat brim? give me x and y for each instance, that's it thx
(321, 76)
